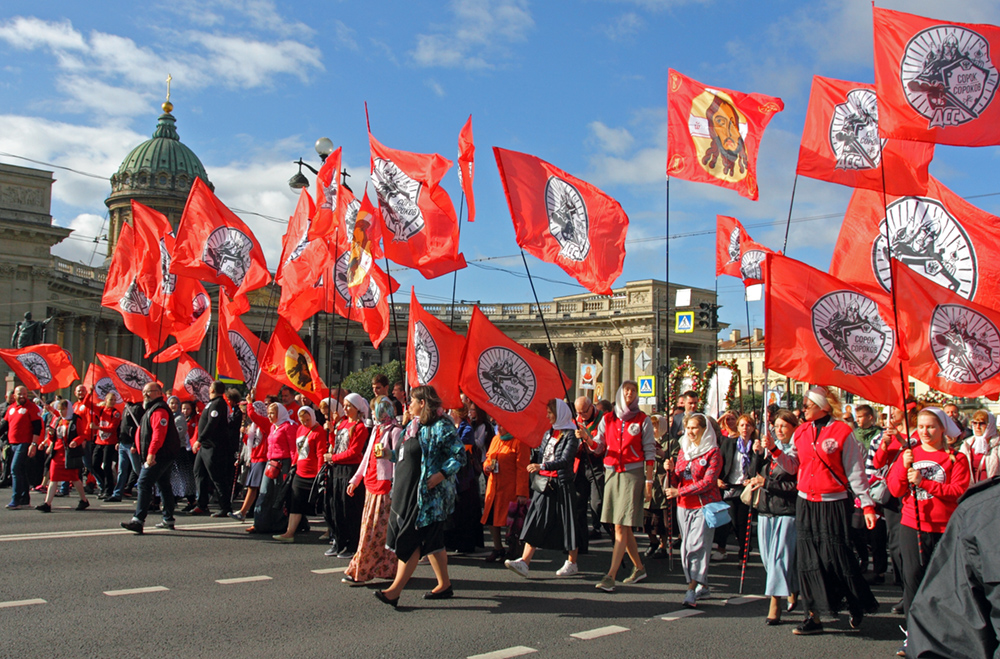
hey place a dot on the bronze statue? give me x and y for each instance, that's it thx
(29, 332)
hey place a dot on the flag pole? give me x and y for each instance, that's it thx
(784, 250)
(392, 306)
(753, 391)
(666, 259)
(263, 324)
(552, 350)
(454, 280)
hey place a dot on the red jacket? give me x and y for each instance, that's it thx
(624, 441)
(311, 444)
(348, 445)
(698, 479)
(829, 460)
(108, 420)
(946, 477)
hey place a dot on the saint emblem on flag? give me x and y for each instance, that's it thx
(750, 263)
(506, 378)
(227, 251)
(854, 131)
(300, 246)
(298, 368)
(735, 245)
(850, 331)
(568, 222)
(105, 386)
(928, 239)
(38, 367)
(134, 300)
(200, 305)
(372, 294)
(930, 471)
(397, 197)
(132, 375)
(245, 355)
(197, 383)
(718, 130)
(965, 344)
(169, 281)
(426, 352)
(947, 75)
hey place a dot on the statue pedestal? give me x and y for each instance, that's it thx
(10, 383)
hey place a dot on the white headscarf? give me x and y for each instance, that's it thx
(283, 416)
(360, 404)
(67, 411)
(564, 416)
(622, 411)
(309, 412)
(951, 428)
(817, 395)
(707, 443)
(980, 443)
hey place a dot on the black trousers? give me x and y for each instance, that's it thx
(581, 483)
(913, 568)
(104, 459)
(892, 525)
(593, 469)
(212, 466)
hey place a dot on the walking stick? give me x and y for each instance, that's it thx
(670, 529)
(746, 544)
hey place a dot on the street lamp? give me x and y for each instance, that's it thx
(324, 147)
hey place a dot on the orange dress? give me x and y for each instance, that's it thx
(511, 481)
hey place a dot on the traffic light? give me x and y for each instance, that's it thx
(715, 316)
(705, 316)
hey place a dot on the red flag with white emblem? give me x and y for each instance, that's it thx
(328, 211)
(238, 348)
(287, 360)
(127, 290)
(128, 378)
(45, 367)
(191, 381)
(736, 254)
(433, 354)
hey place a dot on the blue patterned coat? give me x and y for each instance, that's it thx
(442, 451)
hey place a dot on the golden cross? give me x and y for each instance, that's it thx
(169, 78)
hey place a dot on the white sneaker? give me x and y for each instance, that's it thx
(567, 570)
(518, 566)
(690, 600)
(719, 555)
(702, 592)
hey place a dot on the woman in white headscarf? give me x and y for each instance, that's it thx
(983, 442)
(268, 516)
(699, 463)
(62, 435)
(550, 523)
(347, 448)
(310, 444)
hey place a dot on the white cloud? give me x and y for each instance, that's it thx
(29, 33)
(625, 26)
(106, 100)
(80, 245)
(256, 14)
(344, 37)
(613, 140)
(480, 32)
(435, 86)
(245, 63)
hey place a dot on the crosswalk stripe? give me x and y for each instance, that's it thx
(599, 632)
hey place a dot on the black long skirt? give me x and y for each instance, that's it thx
(829, 572)
(550, 522)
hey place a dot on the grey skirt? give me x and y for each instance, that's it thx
(623, 497)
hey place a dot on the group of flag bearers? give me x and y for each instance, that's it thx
(909, 289)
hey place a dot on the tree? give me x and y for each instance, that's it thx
(360, 382)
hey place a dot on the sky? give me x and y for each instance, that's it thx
(579, 84)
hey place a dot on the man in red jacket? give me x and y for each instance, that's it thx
(22, 423)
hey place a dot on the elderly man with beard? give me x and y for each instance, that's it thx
(22, 423)
(159, 445)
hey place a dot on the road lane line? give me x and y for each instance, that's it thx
(330, 570)
(13, 603)
(683, 613)
(516, 651)
(226, 582)
(745, 600)
(135, 591)
(599, 632)
(90, 533)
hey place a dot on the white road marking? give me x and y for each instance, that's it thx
(516, 651)
(226, 582)
(745, 600)
(135, 591)
(11, 604)
(330, 570)
(683, 613)
(89, 533)
(599, 632)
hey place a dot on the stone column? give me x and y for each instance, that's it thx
(576, 370)
(616, 368)
(385, 353)
(628, 360)
(607, 377)
(89, 344)
(355, 356)
(69, 337)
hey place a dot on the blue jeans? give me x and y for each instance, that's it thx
(19, 474)
(128, 463)
(158, 474)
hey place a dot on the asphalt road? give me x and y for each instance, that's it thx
(287, 602)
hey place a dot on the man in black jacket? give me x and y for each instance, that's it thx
(213, 453)
(159, 445)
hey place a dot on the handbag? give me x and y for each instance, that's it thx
(74, 457)
(539, 483)
(716, 514)
(879, 492)
(750, 496)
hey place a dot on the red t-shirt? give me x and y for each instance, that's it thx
(311, 445)
(19, 418)
(84, 410)
(372, 482)
(107, 426)
(946, 478)
(348, 444)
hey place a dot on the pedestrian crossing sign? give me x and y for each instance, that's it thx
(647, 385)
(684, 323)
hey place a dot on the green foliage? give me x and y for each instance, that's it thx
(360, 382)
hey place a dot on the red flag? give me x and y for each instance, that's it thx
(822, 330)
(953, 344)
(191, 381)
(100, 385)
(363, 237)
(416, 212)
(467, 165)
(303, 264)
(127, 290)
(939, 234)
(433, 354)
(295, 265)
(509, 382)
(736, 254)
(564, 220)
(188, 339)
(329, 206)
(128, 378)
(937, 80)
(287, 360)
(44, 367)
(214, 245)
(238, 347)
(372, 306)
(713, 133)
(841, 144)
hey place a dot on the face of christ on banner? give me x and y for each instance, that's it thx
(947, 75)
(928, 239)
(965, 344)
(426, 353)
(718, 131)
(397, 197)
(854, 131)
(298, 368)
(506, 378)
(849, 329)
